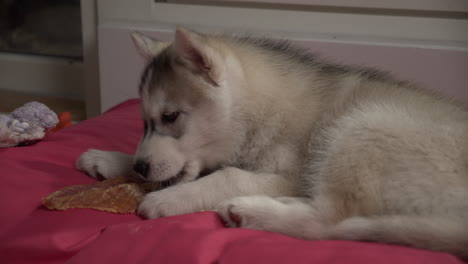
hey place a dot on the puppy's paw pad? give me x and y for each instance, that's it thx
(235, 218)
(247, 212)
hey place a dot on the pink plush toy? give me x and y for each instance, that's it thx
(26, 125)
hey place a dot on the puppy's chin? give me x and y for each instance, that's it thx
(191, 171)
(188, 173)
(205, 172)
(138, 178)
(182, 177)
(174, 180)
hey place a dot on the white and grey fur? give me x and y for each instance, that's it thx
(298, 146)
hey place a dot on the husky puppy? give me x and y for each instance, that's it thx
(296, 145)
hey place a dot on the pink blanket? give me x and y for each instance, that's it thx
(32, 234)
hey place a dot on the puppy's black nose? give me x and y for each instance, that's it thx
(141, 167)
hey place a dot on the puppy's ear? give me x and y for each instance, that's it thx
(146, 46)
(197, 53)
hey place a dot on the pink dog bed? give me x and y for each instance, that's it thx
(32, 234)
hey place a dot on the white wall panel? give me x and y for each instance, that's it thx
(427, 50)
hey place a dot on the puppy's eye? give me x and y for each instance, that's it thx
(169, 117)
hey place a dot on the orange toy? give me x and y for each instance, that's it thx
(64, 121)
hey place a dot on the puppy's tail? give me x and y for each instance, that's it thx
(438, 234)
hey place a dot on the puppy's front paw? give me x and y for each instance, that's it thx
(176, 200)
(154, 205)
(104, 164)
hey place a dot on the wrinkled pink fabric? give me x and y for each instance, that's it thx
(32, 234)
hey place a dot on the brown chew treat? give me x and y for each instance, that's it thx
(118, 195)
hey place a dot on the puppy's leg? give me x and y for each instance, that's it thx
(207, 192)
(105, 164)
(427, 232)
(290, 216)
(302, 219)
